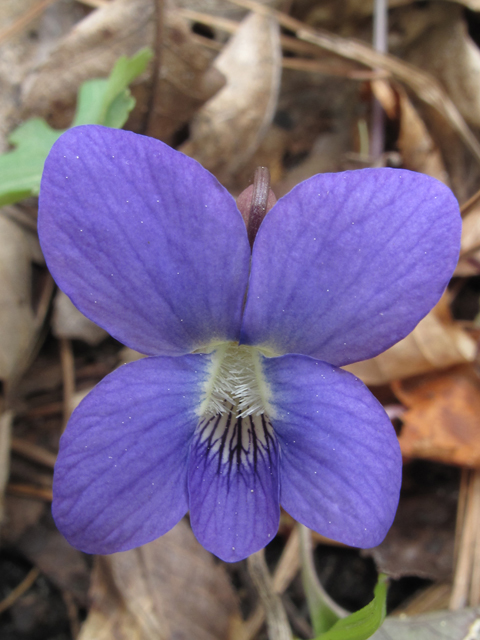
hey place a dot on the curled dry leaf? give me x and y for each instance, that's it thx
(226, 132)
(91, 49)
(418, 149)
(442, 421)
(437, 342)
(17, 320)
(170, 588)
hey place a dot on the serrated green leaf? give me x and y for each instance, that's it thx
(100, 101)
(21, 169)
(124, 72)
(118, 112)
(362, 624)
(108, 101)
(90, 102)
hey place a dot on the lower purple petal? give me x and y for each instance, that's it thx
(340, 461)
(233, 485)
(121, 475)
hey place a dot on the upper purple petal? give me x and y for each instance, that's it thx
(340, 462)
(145, 242)
(347, 264)
(121, 475)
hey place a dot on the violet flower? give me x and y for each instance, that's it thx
(241, 405)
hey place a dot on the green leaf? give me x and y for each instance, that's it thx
(21, 170)
(324, 612)
(100, 101)
(361, 624)
(108, 101)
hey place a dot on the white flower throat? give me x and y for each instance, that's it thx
(236, 384)
(235, 431)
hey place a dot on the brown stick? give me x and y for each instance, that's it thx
(19, 590)
(33, 452)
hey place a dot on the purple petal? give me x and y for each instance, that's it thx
(340, 461)
(145, 242)
(121, 474)
(347, 264)
(233, 485)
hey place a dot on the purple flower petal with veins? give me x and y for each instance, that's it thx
(152, 248)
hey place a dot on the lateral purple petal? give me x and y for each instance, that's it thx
(145, 242)
(340, 461)
(121, 475)
(233, 485)
(347, 264)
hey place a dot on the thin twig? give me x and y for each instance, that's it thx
(68, 377)
(29, 491)
(318, 64)
(277, 622)
(285, 571)
(377, 127)
(433, 598)
(470, 205)
(19, 590)
(474, 593)
(461, 508)
(33, 452)
(95, 4)
(156, 67)
(326, 68)
(468, 253)
(72, 612)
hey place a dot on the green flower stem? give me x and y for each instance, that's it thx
(324, 612)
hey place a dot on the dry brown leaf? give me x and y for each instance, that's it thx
(220, 7)
(419, 151)
(19, 515)
(420, 541)
(443, 420)
(226, 132)
(69, 322)
(327, 155)
(423, 84)
(170, 588)
(91, 49)
(65, 566)
(351, 9)
(437, 342)
(20, 52)
(455, 62)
